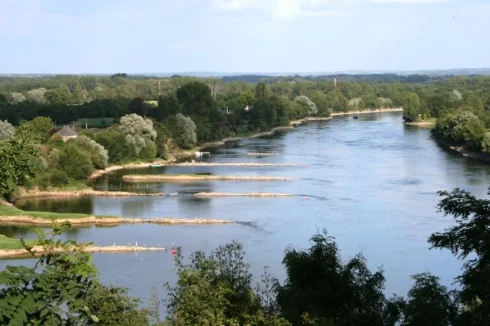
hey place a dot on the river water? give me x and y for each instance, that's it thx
(371, 183)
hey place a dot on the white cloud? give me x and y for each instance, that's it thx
(288, 9)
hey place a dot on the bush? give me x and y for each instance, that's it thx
(58, 178)
(75, 163)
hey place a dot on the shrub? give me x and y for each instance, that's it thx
(58, 178)
(75, 162)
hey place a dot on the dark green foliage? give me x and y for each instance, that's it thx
(113, 307)
(75, 162)
(261, 91)
(138, 106)
(167, 106)
(20, 161)
(114, 142)
(428, 303)
(149, 152)
(324, 291)
(58, 178)
(469, 240)
(216, 290)
(195, 98)
(51, 293)
(461, 129)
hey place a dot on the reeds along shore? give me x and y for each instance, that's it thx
(247, 194)
(108, 221)
(38, 250)
(196, 177)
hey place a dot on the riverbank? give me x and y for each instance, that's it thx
(198, 177)
(181, 154)
(423, 124)
(463, 150)
(380, 110)
(21, 220)
(23, 194)
(6, 253)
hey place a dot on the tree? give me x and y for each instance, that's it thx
(53, 292)
(20, 161)
(411, 107)
(185, 132)
(468, 240)
(261, 91)
(75, 162)
(114, 141)
(17, 97)
(167, 106)
(485, 143)
(195, 98)
(138, 106)
(307, 103)
(36, 95)
(322, 290)
(7, 131)
(216, 289)
(428, 303)
(60, 95)
(137, 129)
(98, 154)
(113, 306)
(461, 129)
(163, 140)
(40, 128)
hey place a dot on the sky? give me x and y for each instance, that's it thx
(245, 36)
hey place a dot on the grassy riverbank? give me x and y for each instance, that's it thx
(12, 248)
(12, 211)
(198, 177)
(89, 192)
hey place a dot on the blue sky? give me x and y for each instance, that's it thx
(142, 36)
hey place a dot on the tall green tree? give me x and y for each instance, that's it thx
(468, 240)
(195, 98)
(321, 290)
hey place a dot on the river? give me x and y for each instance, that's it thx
(371, 183)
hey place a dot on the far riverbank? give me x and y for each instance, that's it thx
(190, 153)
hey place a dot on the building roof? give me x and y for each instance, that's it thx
(67, 132)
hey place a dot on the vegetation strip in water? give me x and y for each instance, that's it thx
(82, 193)
(235, 164)
(12, 248)
(197, 177)
(246, 194)
(10, 215)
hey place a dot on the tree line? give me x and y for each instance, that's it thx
(216, 288)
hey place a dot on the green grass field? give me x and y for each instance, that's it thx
(12, 211)
(9, 243)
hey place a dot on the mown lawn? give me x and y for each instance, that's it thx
(9, 243)
(12, 211)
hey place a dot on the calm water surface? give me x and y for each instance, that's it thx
(370, 182)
